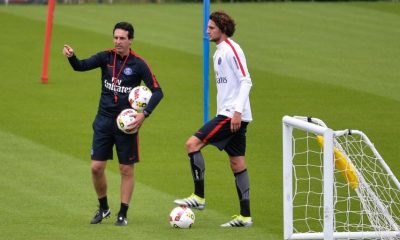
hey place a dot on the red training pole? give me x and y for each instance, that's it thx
(47, 42)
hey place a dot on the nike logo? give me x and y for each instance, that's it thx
(105, 214)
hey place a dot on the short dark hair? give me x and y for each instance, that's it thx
(125, 26)
(224, 22)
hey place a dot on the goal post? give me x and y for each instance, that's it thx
(336, 184)
(289, 124)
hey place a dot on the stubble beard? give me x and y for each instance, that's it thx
(122, 51)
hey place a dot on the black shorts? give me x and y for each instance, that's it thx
(218, 132)
(106, 134)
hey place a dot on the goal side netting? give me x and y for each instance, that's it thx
(336, 184)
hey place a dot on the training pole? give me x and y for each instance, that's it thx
(206, 53)
(47, 41)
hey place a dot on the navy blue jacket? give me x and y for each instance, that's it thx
(133, 73)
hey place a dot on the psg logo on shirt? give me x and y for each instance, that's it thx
(128, 71)
(219, 60)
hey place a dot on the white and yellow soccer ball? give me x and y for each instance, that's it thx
(139, 97)
(126, 118)
(181, 217)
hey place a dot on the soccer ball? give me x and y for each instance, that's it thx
(125, 118)
(139, 97)
(181, 217)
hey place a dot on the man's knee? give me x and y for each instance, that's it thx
(97, 168)
(126, 170)
(238, 163)
(193, 144)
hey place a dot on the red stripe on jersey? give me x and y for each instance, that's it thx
(155, 83)
(237, 57)
(215, 130)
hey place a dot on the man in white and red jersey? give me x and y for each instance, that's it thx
(121, 70)
(227, 130)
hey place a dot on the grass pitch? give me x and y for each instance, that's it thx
(335, 61)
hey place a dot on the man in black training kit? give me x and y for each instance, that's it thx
(121, 70)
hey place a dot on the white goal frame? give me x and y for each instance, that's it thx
(319, 128)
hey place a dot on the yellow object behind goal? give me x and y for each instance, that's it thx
(341, 163)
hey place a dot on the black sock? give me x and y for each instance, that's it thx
(199, 188)
(197, 166)
(243, 190)
(103, 203)
(245, 208)
(123, 211)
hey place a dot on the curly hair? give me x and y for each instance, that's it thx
(224, 22)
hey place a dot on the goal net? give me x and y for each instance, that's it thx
(336, 184)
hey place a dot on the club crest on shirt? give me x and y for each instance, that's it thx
(128, 71)
(219, 61)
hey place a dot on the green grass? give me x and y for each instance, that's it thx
(338, 62)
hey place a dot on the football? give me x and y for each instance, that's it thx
(125, 118)
(181, 217)
(139, 97)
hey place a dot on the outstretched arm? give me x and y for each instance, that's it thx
(82, 65)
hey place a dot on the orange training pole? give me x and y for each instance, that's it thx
(47, 42)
